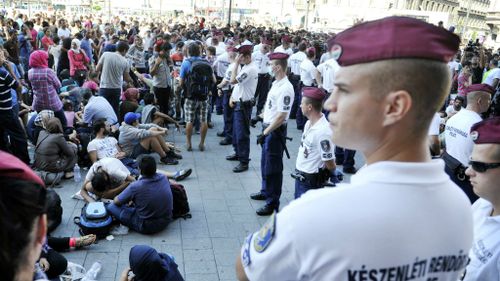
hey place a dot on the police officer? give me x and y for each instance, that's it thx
(484, 172)
(224, 88)
(261, 60)
(459, 141)
(273, 137)
(401, 210)
(307, 79)
(315, 160)
(294, 64)
(244, 78)
(285, 47)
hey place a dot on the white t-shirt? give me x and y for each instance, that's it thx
(458, 141)
(221, 64)
(393, 217)
(454, 66)
(247, 83)
(220, 49)
(485, 253)
(450, 111)
(63, 33)
(104, 148)
(279, 99)
(115, 169)
(316, 146)
(328, 70)
(434, 126)
(227, 76)
(261, 61)
(295, 60)
(494, 74)
(280, 49)
(307, 72)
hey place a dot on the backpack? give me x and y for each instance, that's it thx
(199, 80)
(54, 210)
(181, 205)
(94, 220)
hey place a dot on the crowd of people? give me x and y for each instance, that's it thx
(105, 96)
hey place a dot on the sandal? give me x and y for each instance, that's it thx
(68, 175)
(84, 241)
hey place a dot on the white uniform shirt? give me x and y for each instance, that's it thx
(485, 254)
(221, 64)
(295, 60)
(458, 141)
(261, 61)
(280, 49)
(434, 126)
(316, 146)
(247, 83)
(227, 76)
(279, 99)
(494, 74)
(328, 70)
(307, 72)
(393, 217)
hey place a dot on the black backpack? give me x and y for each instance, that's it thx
(199, 80)
(54, 210)
(181, 205)
(95, 219)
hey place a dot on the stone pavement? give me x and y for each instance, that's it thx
(206, 246)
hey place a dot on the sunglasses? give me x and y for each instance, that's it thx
(482, 167)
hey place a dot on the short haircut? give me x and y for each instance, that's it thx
(211, 50)
(283, 64)
(302, 47)
(122, 46)
(98, 125)
(460, 98)
(316, 104)
(194, 50)
(427, 82)
(472, 97)
(147, 165)
(99, 181)
(149, 98)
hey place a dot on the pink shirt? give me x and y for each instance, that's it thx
(70, 118)
(77, 61)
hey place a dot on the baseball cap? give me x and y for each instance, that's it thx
(131, 117)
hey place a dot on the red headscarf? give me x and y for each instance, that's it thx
(132, 94)
(39, 59)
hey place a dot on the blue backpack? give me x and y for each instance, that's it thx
(94, 219)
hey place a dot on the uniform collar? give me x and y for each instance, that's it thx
(319, 124)
(484, 207)
(402, 173)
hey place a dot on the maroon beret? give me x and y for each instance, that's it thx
(392, 38)
(480, 88)
(286, 38)
(12, 167)
(245, 49)
(267, 42)
(486, 131)
(313, 93)
(278, 56)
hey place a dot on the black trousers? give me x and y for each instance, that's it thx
(261, 92)
(163, 97)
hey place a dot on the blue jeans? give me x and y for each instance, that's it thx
(113, 97)
(128, 216)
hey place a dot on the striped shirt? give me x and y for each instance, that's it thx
(99, 108)
(45, 84)
(6, 84)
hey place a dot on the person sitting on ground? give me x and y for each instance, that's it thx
(52, 153)
(147, 264)
(454, 108)
(97, 107)
(103, 146)
(106, 178)
(131, 102)
(152, 114)
(136, 139)
(145, 205)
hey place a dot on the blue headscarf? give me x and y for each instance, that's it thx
(149, 265)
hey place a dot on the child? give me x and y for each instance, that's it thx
(69, 113)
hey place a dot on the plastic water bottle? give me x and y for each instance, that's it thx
(93, 272)
(77, 173)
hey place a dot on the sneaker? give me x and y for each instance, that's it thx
(174, 155)
(169, 161)
(182, 174)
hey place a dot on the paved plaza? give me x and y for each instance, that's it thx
(205, 246)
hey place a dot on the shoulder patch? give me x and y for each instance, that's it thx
(245, 254)
(286, 100)
(325, 145)
(265, 235)
(242, 77)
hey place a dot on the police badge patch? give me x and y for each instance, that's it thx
(242, 77)
(265, 235)
(286, 100)
(325, 145)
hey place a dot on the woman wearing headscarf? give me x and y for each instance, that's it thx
(45, 84)
(149, 265)
(52, 153)
(130, 104)
(78, 62)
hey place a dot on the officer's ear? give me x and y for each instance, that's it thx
(397, 106)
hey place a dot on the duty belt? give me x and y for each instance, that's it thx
(311, 179)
